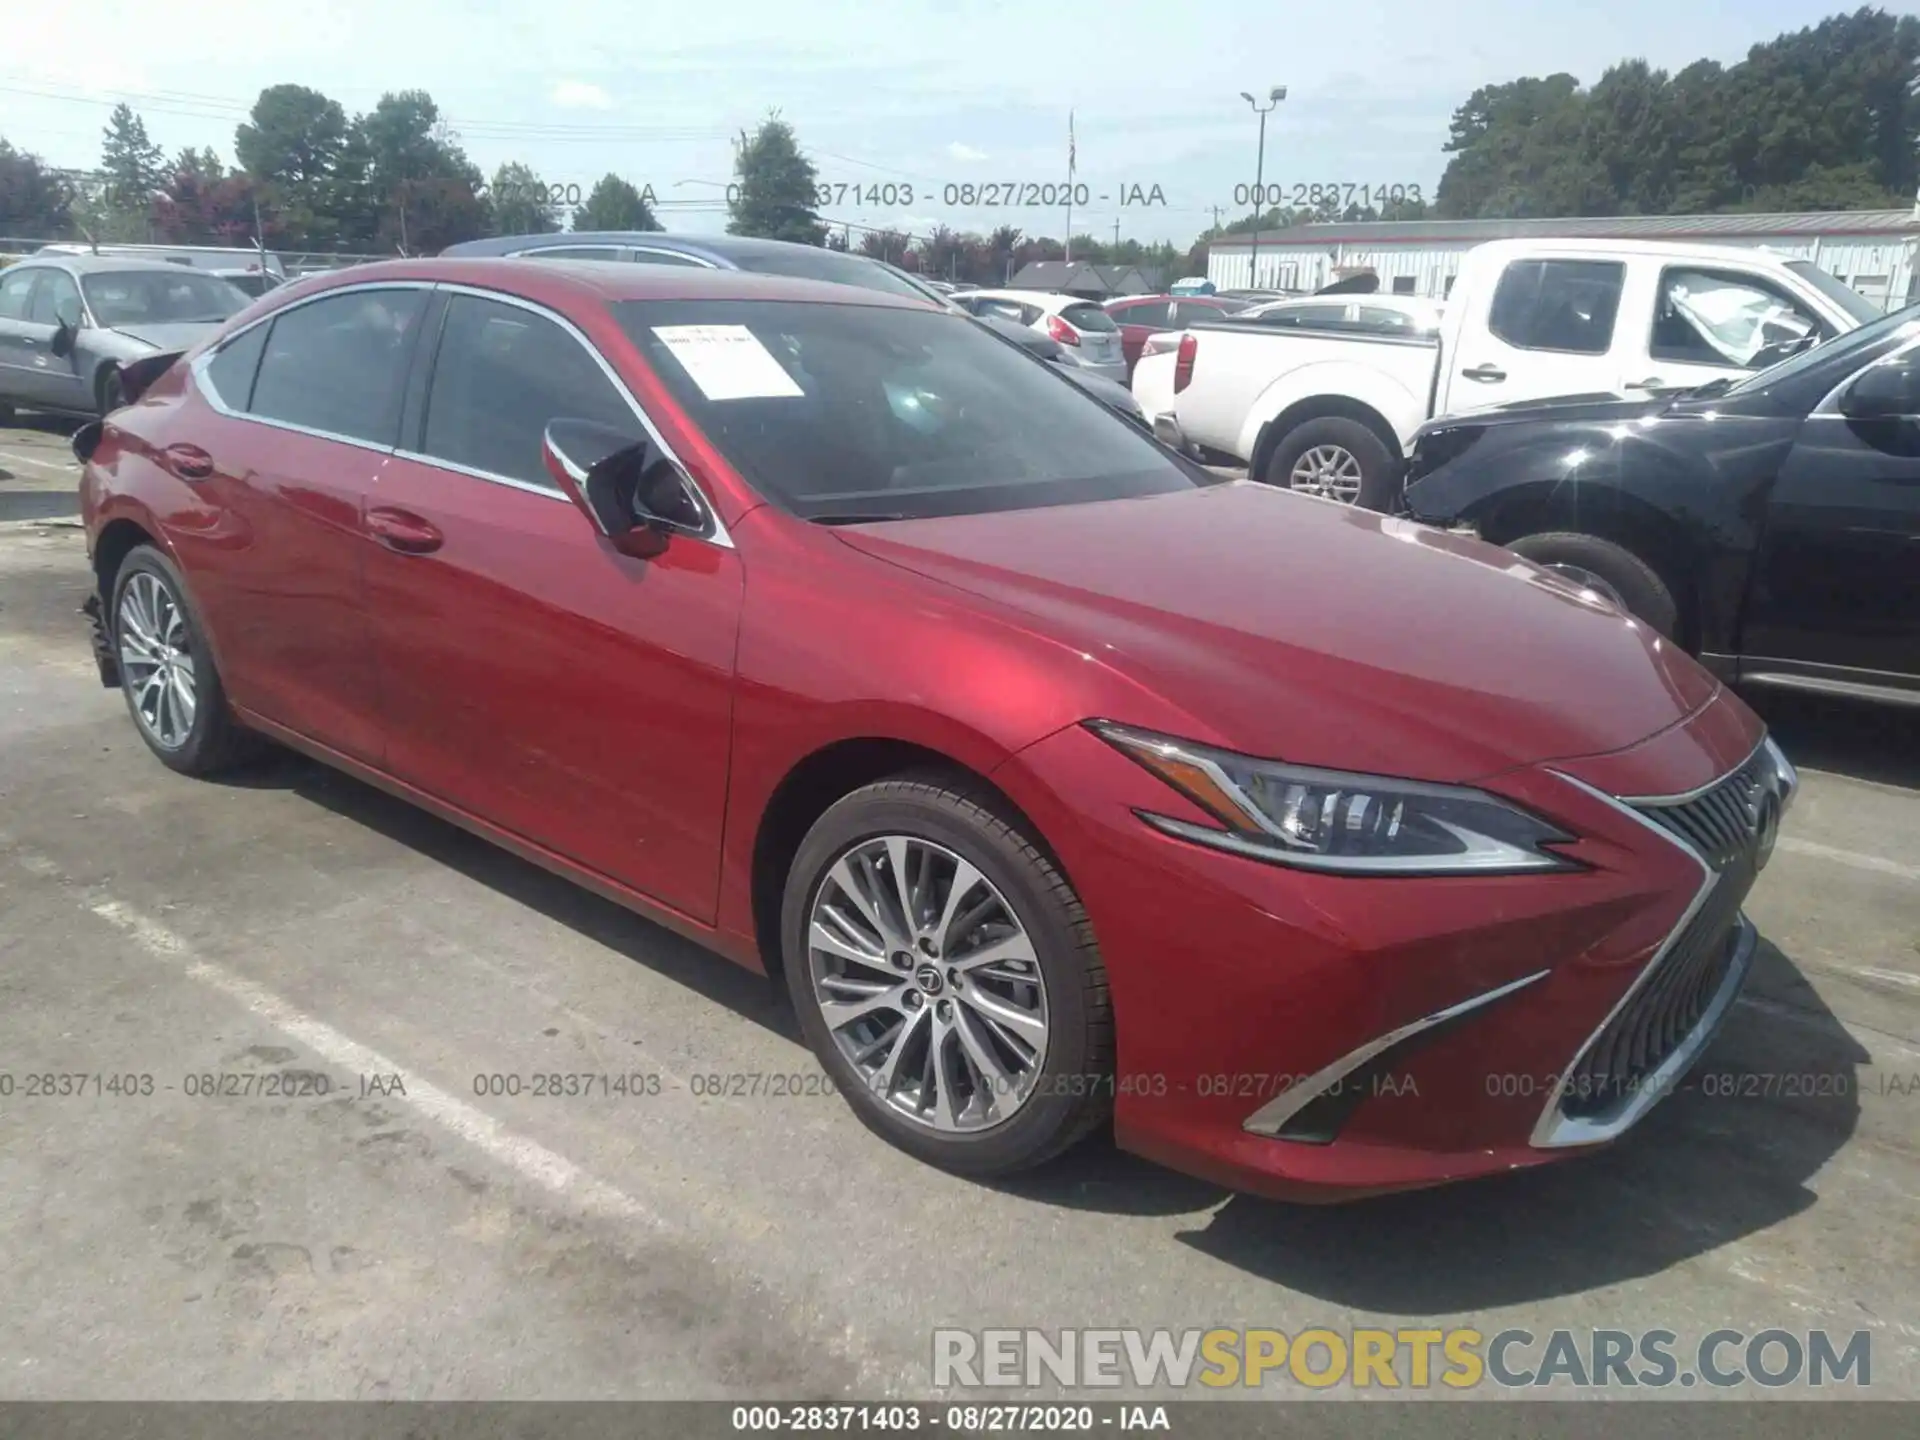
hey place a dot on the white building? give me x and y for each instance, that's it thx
(1872, 250)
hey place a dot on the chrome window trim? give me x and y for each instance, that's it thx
(697, 261)
(551, 492)
(719, 535)
(537, 250)
(1271, 1117)
(1555, 1130)
(204, 383)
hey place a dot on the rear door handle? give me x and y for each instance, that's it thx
(402, 530)
(1652, 382)
(189, 462)
(1486, 374)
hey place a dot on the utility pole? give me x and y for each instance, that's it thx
(1274, 97)
(1072, 161)
(1116, 232)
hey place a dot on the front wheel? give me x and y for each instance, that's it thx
(1336, 459)
(1608, 570)
(947, 977)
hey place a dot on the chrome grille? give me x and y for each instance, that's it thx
(1723, 825)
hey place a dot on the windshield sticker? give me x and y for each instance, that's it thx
(727, 362)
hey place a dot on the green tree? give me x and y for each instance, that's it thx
(888, 245)
(293, 138)
(133, 165)
(408, 183)
(34, 202)
(203, 165)
(521, 202)
(775, 194)
(613, 204)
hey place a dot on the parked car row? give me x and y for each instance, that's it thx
(823, 625)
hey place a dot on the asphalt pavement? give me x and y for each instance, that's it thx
(373, 1215)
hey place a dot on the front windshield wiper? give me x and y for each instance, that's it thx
(852, 519)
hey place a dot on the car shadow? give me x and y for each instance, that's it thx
(1873, 742)
(1706, 1167)
(752, 996)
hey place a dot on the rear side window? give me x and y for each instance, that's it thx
(15, 288)
(501, 375)
(574, 252)
(1148, 312)
(1090, 318)
(1565, 305)
(666, 257)
(230, 373)
(339, 365)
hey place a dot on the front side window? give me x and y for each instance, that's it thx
(16, 288)
(1564, 305)
(120, 298)
(845, 411)
(1709, 317)
(57, 301)
(340, 364)
(501, 375)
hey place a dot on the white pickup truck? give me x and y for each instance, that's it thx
(1331, 411)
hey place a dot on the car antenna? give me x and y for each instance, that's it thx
(90, 239)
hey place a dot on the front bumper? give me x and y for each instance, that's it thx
(1322, 1037)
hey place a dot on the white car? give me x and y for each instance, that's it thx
(1088, 332)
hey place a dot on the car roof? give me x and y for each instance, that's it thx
(722, 250)
(1663, 249)
(605, 281)
(1051, 301)
(97, 264)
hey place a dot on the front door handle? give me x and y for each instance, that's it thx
(1652, 382)
(1485, 374)
(402, 530)
(189, 462)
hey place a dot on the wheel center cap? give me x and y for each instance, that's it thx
(927, 977)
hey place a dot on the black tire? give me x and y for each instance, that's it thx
(1634, 583)
(1073, 1093)
(215, 741)
(1379, 469)
(109, 391)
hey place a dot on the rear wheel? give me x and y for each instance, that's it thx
(1336, 459)
(946, 975)
(1608, 570)
(167, 673)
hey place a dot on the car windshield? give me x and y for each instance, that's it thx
(804, 262)
(1897, 326)
(1836, 290)
(848, 412)
(159, 297)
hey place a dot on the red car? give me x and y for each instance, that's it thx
(1058, 780)
(1140, 316)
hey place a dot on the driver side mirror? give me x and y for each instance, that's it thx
(634, 495)
(63, 337)
(1889, 390)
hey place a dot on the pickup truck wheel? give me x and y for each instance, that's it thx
(1335, 458)
(1610, 571)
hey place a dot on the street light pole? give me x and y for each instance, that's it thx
(1274, 97)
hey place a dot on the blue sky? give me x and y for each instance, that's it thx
(914, 93)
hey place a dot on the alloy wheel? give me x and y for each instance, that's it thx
(154, 657)
(928, 983)
(1329, 471)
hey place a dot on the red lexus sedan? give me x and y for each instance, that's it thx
(1060, 782)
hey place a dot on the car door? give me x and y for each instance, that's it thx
(26, 345)
(1836, 583)
(305, 413)
(1545, 328)
(1707, 324)
(531, 674)
(63, 383)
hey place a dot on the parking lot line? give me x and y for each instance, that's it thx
(14, 458)
(1878, 864)
(528, 1158)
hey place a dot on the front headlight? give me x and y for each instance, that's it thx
(1330, 820)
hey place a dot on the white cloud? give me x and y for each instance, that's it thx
(580, 95)
(959, 151)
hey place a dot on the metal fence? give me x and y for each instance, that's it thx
(296, 262)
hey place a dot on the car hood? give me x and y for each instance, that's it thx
(177, 336)
(1303, 630)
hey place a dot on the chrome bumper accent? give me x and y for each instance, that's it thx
(1271, 1117)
